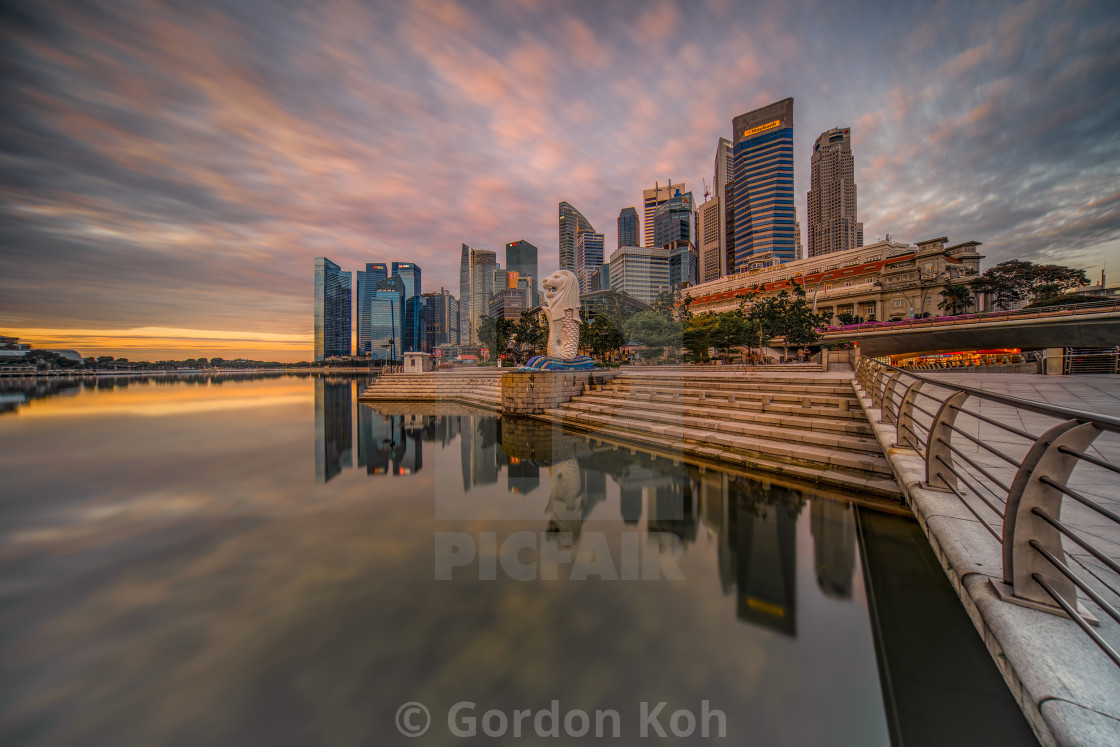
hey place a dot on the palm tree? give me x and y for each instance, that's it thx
(956, 299)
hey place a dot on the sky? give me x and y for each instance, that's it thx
(170, 170)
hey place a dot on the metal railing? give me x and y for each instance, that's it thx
(1097, 307)
(1010, 461)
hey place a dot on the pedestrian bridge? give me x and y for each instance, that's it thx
(1095, 326)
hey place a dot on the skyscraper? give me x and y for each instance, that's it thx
(651, 200)
(672, 220)
(367, 282)
(725, 167)
(413, 328)
(571, 223)
(442, 319)
(707, 240)
(832, 222)
(589, 256)
(628, 234)
(760, 194)
(387, 318)
(521, 257)
(640, 271)
(332, 310)
(476, 283)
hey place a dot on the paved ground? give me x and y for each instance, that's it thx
(1066, 685)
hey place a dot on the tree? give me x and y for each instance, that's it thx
(732, 330)
(697, 335)
(956, 299)
(1049, 281)
(847, 317)
(788, 316)
(495, 334)
(600, 336)
(1012, 281)
(654, 332)
(531, 332)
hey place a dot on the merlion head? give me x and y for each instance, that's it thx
(561, 291)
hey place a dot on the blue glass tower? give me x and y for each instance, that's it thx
(413, 322)
(386, 319)
(628, 227)
(332, 310)
(760, 193)
(367, 285)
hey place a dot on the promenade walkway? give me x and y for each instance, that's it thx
(1069, 690)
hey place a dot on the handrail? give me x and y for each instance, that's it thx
(980, 316)
(1036, 572)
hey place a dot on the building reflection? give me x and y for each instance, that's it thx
(753, 522)
(333, 406)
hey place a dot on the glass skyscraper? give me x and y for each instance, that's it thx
(628, 227)
(521, 257)
(589, 256)
(413, 324)
(332, 310)
(367, 284)
(760, 193)
(387, 319)
(571, 223)
(672, 221)
(476, 283)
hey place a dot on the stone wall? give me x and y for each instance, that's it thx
(535, 392)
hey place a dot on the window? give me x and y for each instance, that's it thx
(898, 303)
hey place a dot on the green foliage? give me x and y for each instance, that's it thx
(654, 332)
(955, 299)
(786, 315)
(846, 318)
(697, 335)
(495, 334)
(600, 336)
(1066, 301)
(1010, 282)
(531, 332)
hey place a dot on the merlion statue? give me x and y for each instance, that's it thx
(561, 295)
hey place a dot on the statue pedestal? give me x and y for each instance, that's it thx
(549, 363)
(528, 392)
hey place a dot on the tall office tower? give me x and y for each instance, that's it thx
(387, 311)
(760, 194)
(672, 220)
(413, 325)
(442, 319)
(367, 282)
(521, 257)
(832, 222)
(332, 310)
(476, 283)
(640, 271)
(651, 200)
(707, 240)
(571, 223)
(589, 256)
(725, 167)
(628, 234)
(683, 265)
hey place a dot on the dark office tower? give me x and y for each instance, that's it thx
(589, 257)
(387, 318)
(332, 310)
(653, 199)
(832, 222)
(521, 257)
(476, 284)
(760, 195)
(367, 282)
(672, 220)
(413, 324)
(442, 319)
(571, 223)
(332, 428)
(628, 228)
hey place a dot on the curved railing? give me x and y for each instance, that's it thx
(1096, 307)
(1014, 464)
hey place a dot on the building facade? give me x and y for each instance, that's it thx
(651, 200)
(760, 193)
(521, 257)
(640, 271)
(724, 168)
(589, 257)
(883, 281)
(413, 325)
(708, 240)
(476, 283)
(572, 222)
(508, 303)
(672, 220)
(832, 223)
(441, 319)
(367, 282)
(629, 231)
(332, 310)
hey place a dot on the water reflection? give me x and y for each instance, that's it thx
(754, 523)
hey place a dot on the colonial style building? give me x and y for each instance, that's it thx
(887, 280)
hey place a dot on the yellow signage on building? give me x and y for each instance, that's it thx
(762, 128)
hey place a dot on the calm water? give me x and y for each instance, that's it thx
(260, 561)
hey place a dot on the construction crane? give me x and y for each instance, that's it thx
(707, 190)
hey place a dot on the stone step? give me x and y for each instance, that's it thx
(843, 442)
(796, 385)
(801, 420)
(839, 409)
(876, 481)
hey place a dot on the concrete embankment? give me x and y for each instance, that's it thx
(1068, 690)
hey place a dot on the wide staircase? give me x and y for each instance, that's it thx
(479, 388)
(808, 426)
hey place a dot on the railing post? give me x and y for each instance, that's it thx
(876, 390)
(1021, 524)
(888, 399)
(906, 415)
(938, 477)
